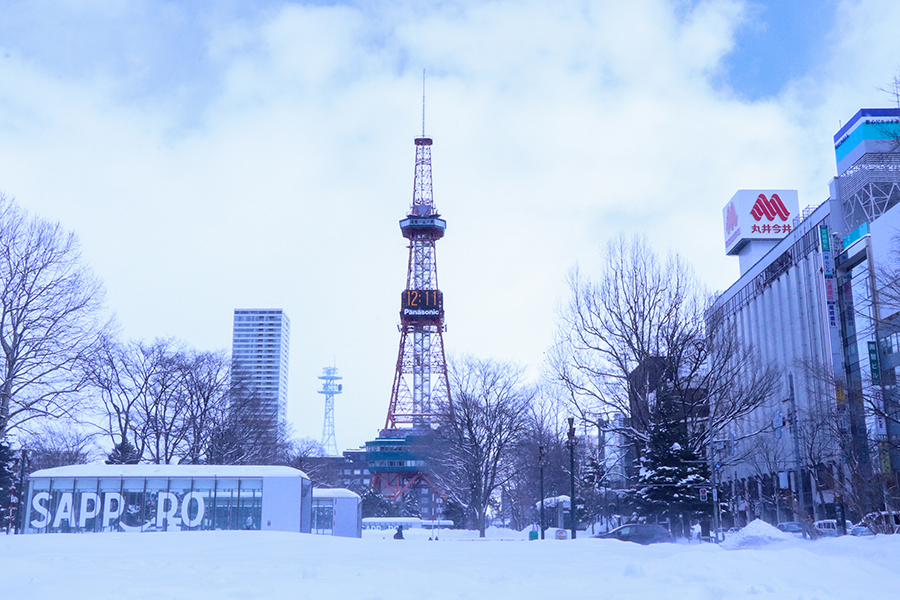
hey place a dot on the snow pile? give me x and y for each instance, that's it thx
(271, 565)
(755, 535)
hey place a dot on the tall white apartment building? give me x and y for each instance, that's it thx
(259, 351)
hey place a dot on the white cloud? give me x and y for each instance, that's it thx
(556, 125)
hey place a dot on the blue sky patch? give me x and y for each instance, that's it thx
(778, 42)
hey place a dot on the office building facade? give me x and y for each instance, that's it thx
(811, 300)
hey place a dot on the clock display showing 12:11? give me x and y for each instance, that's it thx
(418, 299)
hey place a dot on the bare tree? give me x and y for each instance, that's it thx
(892, 89)
(308, 455)
(121, 377)
(890, 129)
(546, 434)
(887, 282)
(481, 432)
(842, 440)
(58, 445)
(163, 413)
(303, 453)
(768, 457)
(242, 433)
(50, 306)
(152, 397)
(645, 323)
(174, 404)
(207, 381)
(818, 454)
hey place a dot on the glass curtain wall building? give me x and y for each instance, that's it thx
(812, 301)
(259, 350)
(142, 498)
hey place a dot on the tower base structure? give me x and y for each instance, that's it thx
(399, 461)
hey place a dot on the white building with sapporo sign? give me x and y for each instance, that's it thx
(141, 498)
(808, 300)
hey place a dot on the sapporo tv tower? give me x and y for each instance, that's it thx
(398, 458)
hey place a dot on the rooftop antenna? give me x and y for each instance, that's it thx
(423, 102)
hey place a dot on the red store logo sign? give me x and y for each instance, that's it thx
(770, 208)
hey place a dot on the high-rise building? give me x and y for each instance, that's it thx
(259, 351)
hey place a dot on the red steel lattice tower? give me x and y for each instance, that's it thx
(399, 459)
(420, 387)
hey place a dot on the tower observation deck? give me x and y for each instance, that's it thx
(420, 390)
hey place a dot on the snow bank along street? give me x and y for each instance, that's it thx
(251, 564)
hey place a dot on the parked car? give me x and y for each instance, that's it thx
(882, 522)
(798, 530)
(860, 530)
(639, 533)
(829, 527)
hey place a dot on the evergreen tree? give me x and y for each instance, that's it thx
(123, 454)
(410, 504)
(456, 512)
(671, 473)
(7, 485)
(375, 505)
(592, 487)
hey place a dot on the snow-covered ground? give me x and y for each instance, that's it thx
(251, 564)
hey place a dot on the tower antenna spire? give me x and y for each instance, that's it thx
(423, 102)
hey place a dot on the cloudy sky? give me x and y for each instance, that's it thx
(237, 154)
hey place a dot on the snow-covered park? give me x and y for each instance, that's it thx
(251, 564)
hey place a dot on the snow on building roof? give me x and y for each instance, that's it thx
(389, 520)
(334, 493)
(104, 470)
(564, 500)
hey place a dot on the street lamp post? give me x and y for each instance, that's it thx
(713, 467)
(570, 443)
(715, 489)
(541, 462)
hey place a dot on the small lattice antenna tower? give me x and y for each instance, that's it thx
(330, 388)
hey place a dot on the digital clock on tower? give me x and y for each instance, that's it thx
(421, 306)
